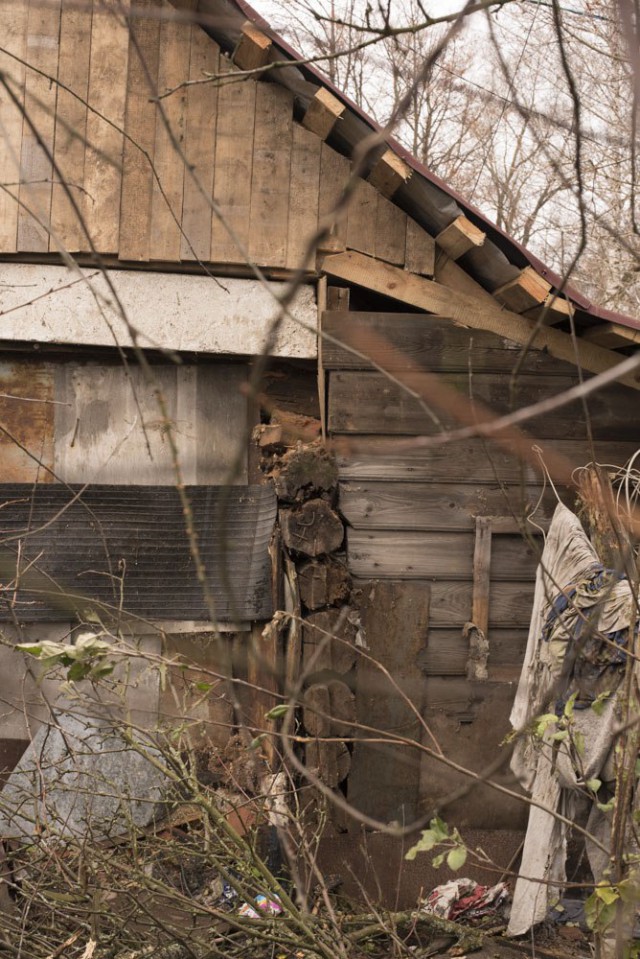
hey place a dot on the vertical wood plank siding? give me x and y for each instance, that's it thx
(143, 170)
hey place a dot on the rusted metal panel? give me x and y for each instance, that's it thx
(68, 551)
(26, 421)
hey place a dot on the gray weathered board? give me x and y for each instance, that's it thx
(469, 721)
(435, 506)
(471, 461)
(384, 778)
(368, 402)
(431, 343)
(405, 554)
(510, 605)
(447, 652)
(126, 548)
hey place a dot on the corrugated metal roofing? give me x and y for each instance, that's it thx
(125, 547)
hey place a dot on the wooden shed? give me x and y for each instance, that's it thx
(165, 174)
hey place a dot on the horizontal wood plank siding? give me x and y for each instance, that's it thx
(447, 652)
(510, 606)
(435, 506)
(404, 554)
(432, 343)
(472, 461)
(363, 402)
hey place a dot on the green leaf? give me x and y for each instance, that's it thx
(569, 706)
(600, 702)
(438, 860)
(606, 806)
(578, 742)
(79, 671)
(560, 736)
(426, 842)
(607, 893)
(277, 711)
(34, 649)
(257, 742)
(591, 910)
(593, 784)
(543, 722)
(204, 687)
(457, 858)
(98, 672)
(440, 828)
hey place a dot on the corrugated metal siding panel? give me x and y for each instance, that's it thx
(126, 547)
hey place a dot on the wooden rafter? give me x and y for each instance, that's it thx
(525, 292)
(611, 335)
(322, 113)
(389, 173)
(254, 48)
(460, 237)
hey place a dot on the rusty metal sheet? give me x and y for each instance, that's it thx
(71, 550)
(26, 421)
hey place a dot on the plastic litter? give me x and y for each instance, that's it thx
(465, 899)
(261, 906)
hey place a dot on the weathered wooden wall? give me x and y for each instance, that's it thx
(417, 516)
(83, 418)
(99, 420)
(141, 173)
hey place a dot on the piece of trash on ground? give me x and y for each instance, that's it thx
(465, 899)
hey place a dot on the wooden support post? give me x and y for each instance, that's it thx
(460, 237)
(389, 173)
(254, 48)
(481, 574)
(527, 290)
(323, 111)
(263, 670)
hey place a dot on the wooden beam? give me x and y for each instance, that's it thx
(389, 173)
(527, 290)
(322, 113)
(555, 309)
(611, 335)
(460, 237)
(254, 48)
(468, 311)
